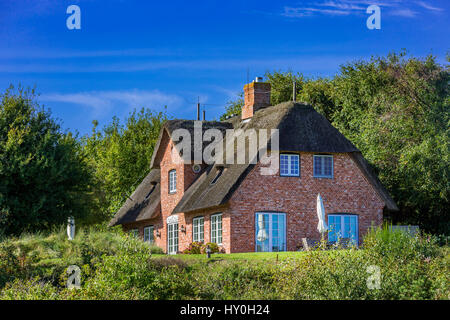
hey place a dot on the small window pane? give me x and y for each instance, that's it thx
(216, 228)
(317, 166)
(198, 224)
(289, 165)
(323, 166)
(148, 234)
(134, 233)
(172, 238)
(172, 181)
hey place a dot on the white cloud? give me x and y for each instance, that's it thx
(428, 6)
(101, 102)
(133, 66)
(401, 8)
(307, 11)
(35, 53)
(407, 13)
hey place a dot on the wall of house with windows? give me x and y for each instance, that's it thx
(268, 213)
(175, 235)
(176, 177)
(273, 213)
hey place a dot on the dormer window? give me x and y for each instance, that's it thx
(218, 174)
(172, 181)
(323, 166)
(151, 190)
(289, 165)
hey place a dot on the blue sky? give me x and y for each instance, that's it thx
(133, 54)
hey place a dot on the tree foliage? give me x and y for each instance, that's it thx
(44, 178)
(233, 107)
(396, 111)
(120, 156)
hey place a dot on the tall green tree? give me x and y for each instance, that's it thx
(282, 84)
(395, 109)
(120, 156)
(44, 178)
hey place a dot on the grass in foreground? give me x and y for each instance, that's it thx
(248, 256)
(114, 266)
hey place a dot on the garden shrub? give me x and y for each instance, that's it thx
(132, 274)
(35, 268)
(234, 280)
(193, 248)
(213, 246)
(32, 289)
(154, 249)
(200, 248)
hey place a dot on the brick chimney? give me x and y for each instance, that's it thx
(256, 96)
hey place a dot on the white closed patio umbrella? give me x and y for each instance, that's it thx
(262, 233)
(322, 225)
(71, 228)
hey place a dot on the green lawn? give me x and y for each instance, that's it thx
(240, 256)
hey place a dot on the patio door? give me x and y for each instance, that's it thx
(343, 226)
(172, 238)
(270, 233)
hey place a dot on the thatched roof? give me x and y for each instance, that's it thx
(144, 203)
(205, 194)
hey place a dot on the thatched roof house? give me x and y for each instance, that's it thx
(303, 132)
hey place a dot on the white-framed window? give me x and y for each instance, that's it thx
(149, 234)
(198, 234)
(289, 165)
(216, 228)
(270, 235)
(172, 181)
(343, 226)
(323, 166)
(134, 232)
(172, 238)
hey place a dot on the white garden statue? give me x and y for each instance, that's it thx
(71, 228)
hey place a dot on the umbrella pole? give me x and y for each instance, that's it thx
(322, 241)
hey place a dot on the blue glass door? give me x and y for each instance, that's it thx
(270, 232)
(343, 226)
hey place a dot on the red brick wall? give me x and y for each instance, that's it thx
(256, 96)
(347, 192)
(185, 177)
